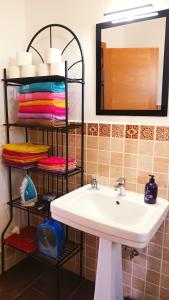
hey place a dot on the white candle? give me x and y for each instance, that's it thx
(28, 71)
(57, 69)
(52, 55)
(23, 58)
(13, 72)
(42, 69)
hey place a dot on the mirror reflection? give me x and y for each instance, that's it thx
(130, 67)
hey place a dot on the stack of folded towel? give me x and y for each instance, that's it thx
(41, 102)
(23, 155)
(56, 164)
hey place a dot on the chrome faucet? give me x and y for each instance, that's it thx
(120, 186)
(94, 183)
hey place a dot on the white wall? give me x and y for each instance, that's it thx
(81, 17)
(12, 39)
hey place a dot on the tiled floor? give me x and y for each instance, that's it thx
(30, 280)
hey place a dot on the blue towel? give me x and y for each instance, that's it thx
(52, 87)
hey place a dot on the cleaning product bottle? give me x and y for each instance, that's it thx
(151, 189)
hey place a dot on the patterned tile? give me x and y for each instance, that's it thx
(132, 131)
(92, 129)
(162, 133)
(78, 130)
(104, 130)
(117, 130)
(146, 132)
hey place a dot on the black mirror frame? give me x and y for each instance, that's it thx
(165, 79)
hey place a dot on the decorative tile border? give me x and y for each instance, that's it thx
(93, 129)
(162, 133)
(146, 132)
(117, 130)
(104, 130)
(132, 131)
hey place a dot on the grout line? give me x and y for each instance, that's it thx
(27, 286)
(76, 290)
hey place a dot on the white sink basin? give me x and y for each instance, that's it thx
(122, 219)
(115, 220)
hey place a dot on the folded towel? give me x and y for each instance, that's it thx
(17, 164)
(24, 160)
(54, 160)
(41, 122)
(21, 154)
(26, 148)
(55, 102)
(42, 87)
(45, 116)
(42, 109)
(40, 96)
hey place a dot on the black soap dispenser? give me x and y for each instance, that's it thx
(151, 189)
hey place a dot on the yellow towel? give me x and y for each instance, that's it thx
(26, 148)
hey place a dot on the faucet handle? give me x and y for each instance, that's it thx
(121, 181)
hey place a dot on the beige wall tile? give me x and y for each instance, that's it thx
(152, 289)
(116, 172)
(104, 157)
(153, 263)
(131, 146)
(131, 186)
(153, 277)
(92, 142)
(130, 174)
(130, 160)
(103, 170)
(139, 271)
(155, 250)
(161, 149)
(116, 159)
(165, 268)
(138, 284)
(165, 281)
(91, 168)
(164, 294)
(161, 180)
(104, 143)
(92, 155)
(142, 177)
(146, 147)
(117, 144)
(145, 163)
(161, 165)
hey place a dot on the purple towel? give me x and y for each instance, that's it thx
(40, 116)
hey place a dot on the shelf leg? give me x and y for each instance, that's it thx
(2, 258)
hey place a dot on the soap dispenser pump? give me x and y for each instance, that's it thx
(151, 189)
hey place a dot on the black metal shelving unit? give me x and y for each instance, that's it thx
(61, 130)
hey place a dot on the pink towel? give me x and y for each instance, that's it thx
(40, 96)
(42, 109)
(55, 160)
(40, 116)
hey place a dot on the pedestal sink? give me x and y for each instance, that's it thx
(116, 220)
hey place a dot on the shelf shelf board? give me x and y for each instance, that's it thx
(61, 128)
(31, 209)
(26, 242)
(70, 249)
(75, 171)
(28, 80)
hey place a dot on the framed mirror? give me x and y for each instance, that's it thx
(132, 67)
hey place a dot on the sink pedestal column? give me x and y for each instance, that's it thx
(109, 272)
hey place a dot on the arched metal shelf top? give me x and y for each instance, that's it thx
(50, 40)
